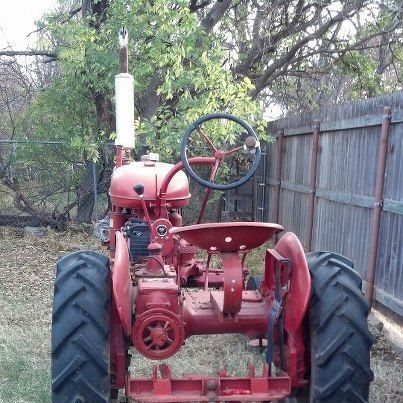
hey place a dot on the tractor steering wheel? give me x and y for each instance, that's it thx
(251, 145)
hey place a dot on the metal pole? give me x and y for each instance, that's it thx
(279, 165)
(95, 187)
(376, 212)
(254, 197)
(312, 184)
(262, 185)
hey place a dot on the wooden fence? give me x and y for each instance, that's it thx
(319, 180)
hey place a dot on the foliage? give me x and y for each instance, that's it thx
(188, 58)
(165, 43)
(302, 55)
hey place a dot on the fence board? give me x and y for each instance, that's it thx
(346, 169)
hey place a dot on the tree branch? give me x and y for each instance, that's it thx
(215, 14)
(292, 52)
(12, 53)
(193, 6)
(258, 48)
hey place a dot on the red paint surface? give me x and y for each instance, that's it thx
(298, 296)
(122, 285)
(228, 237)
(233, 282)
(151, 175)
(207, 388)
(161, 313)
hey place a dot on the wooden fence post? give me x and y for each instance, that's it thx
(312, 184)
(376, 212)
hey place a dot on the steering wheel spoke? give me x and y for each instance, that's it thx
(206, 138)
(214, 170)
(234, 150)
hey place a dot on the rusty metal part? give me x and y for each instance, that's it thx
(376, 212)
(123, 53)
(119, 156)
(206, 273)
(312, 184)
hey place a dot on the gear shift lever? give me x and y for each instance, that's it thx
(139, 189)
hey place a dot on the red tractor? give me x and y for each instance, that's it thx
(153, 291)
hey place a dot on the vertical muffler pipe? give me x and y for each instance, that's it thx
(124, 98)
(376, 212)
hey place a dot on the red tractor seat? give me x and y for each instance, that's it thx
(227, 237)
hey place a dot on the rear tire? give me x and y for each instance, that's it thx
(340, 341)
(80, 329)
(253, 282)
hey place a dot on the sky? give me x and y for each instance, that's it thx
(17, 20)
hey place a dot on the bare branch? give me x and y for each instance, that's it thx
(12, 53)
(285, 59)
(70, 15)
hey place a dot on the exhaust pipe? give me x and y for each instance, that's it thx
(124, 98)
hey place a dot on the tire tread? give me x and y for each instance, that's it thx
(340, 337)
(80, 327)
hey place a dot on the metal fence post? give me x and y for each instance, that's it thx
(262, 186)
(376, 212)
(312, 184)
(279, 164)
(95, 188)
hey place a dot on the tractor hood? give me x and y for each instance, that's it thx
(150, 174)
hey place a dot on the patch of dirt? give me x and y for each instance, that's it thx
(27, 267)
(387, 367)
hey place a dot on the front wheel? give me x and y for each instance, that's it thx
(80, 329)
(340, 341)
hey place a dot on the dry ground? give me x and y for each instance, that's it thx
(26, 285)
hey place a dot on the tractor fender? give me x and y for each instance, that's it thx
(122, 284)
(297, 298)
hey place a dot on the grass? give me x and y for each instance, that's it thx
(24, 351)
(27, 267)
(26, 288)
(205, 355)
